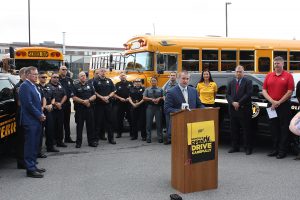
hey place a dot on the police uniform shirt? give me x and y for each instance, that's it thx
(123, 88)
(83, 91)
(67, 84)
(46, 92)
(136, 94)
(153, 92)
(103, 86)
(58, 92)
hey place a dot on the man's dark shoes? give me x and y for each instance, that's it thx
(21, 166)
(281, 155)
(41, 155)
(233, 150)
(93, 144)
(248, 151)
(34, 174)
(69, 140)
(143, 139)
(112, 141)
(133, 138)
(53, 149)
(273, 153)
(149, 141)
(160, 141)
(119, 135)
(40, 170)
(61, 144)
(78, 145)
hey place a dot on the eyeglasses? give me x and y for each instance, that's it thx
(64, 69)
(55, 77)
(43, 77)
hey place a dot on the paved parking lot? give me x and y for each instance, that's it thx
(135, 170)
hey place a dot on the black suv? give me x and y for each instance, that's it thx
(7, 109)
(260, 120)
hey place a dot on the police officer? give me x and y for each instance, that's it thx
(39, 86)
(153, 95)
(84, 96)
(101, 132)
(105, 89)
(47, 107)
(20, 133)
(60, 97)
(138, 110)
(172, 83)
(122, 104)
(67, 83)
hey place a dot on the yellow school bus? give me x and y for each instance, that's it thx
(149, 56)
(43, 58)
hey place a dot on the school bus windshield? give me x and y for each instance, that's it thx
(139, 62)
(41, 65)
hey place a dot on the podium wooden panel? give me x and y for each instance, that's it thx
(186, 177)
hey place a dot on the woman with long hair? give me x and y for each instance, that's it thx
(207, 89)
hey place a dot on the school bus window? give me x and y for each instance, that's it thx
(167, 62)
(282, 54)
(264, 64)
(190, 60)
(247, 60)
(228, 60)
(41, 65)
(210, 59)
(294, 60)
(140, 61)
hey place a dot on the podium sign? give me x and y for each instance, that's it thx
(195, 150)
(201, 141)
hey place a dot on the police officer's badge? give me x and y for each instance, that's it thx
(59, 87)
(88, 87)
(69, 83)
(107, 82)
(255, 110)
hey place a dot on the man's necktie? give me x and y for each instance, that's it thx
(185, 94)
(237, 86)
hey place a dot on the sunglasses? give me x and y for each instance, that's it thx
(43, 77)
(55, 77)
(64, 69)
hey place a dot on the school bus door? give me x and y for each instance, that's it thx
(263, 60)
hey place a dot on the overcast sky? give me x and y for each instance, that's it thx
(112, 22)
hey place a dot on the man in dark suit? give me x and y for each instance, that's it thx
(31, 116)
(240, 109)
(179, 95)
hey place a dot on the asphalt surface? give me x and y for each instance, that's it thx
(135, 170)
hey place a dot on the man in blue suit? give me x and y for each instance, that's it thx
(179, 96)
(31, 116)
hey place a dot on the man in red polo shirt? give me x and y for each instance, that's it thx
(277, 89)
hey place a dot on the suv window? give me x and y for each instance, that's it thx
(222, 83)
(6, 90)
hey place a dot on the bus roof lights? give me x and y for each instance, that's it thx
(23, 53)
(18, 53)
(57, 54)
(52, 54)
(142, 42)
(126, 46)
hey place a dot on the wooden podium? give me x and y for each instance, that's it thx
(188, 177)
